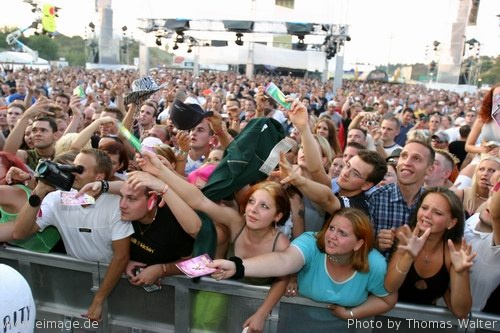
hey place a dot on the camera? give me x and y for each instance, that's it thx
(58, 175)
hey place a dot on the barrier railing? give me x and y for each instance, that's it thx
(63, 289)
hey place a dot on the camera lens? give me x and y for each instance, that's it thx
(42, 168)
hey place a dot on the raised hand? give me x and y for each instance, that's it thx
(410, 240)
(149, 162)
(140, 178)
(298, 114)
(40, 108)
(461, 259)
(260, 99)
(183, 140)
(215, 121)
(286, 173)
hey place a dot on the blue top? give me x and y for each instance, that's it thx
(18, 97)
(314, 281)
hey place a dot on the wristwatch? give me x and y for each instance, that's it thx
(34, 200)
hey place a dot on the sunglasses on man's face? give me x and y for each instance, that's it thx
(437, 140)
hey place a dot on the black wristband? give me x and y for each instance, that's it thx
(240, 269)
(104, 186)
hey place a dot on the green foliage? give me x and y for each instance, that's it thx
(490, 70)
(47, 48)
(72, 49)
(158, 57)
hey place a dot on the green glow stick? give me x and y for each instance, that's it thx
(130, 137)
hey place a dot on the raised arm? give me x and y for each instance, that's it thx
(220, 129)
(15, 138)
(186, 216)
(300, 118)
(319, 193)
(402, 259)
(77, 116)
(129, 116)
(189, 193)
(119, 101)
(84, 136)
(458, 297)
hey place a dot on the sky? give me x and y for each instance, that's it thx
(381, 31)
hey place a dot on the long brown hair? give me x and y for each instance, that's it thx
(332, 138)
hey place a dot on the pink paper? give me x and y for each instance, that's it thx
(196, 266)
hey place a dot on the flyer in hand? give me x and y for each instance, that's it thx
(196, 266)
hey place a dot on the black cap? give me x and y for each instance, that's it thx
(187, 116)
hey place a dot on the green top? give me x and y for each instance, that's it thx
(41, 241)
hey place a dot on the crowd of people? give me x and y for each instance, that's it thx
(387, 192)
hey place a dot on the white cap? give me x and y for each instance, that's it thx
(191, 100)
(459, 121)
(150, 142)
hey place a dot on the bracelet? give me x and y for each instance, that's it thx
(240, 269)
(164, 267)
(182, 152)
(165, 190)
(350, 312)
(399, 270)
(104, 186)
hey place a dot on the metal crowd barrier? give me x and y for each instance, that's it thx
(63, 289)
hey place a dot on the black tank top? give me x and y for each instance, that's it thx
(416, 289)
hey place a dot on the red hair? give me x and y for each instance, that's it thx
(486, 107)
(9, 160)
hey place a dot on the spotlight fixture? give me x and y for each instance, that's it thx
(189, 49)
(124, 28)
(92, 26)
(436, 44)
(238, 40)
(158, 41)
(175, 46)
(180, 37)
(301, 45)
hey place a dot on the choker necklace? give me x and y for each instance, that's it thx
(482, 198)
(339, 259)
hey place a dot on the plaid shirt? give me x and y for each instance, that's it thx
(388, 208)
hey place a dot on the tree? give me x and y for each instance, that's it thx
(47, 48)
(490, 72)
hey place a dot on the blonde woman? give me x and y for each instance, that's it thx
(474, 196)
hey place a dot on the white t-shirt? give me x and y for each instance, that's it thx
(279, 116)
(17, 307)
(87, 232)
(485, 273)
